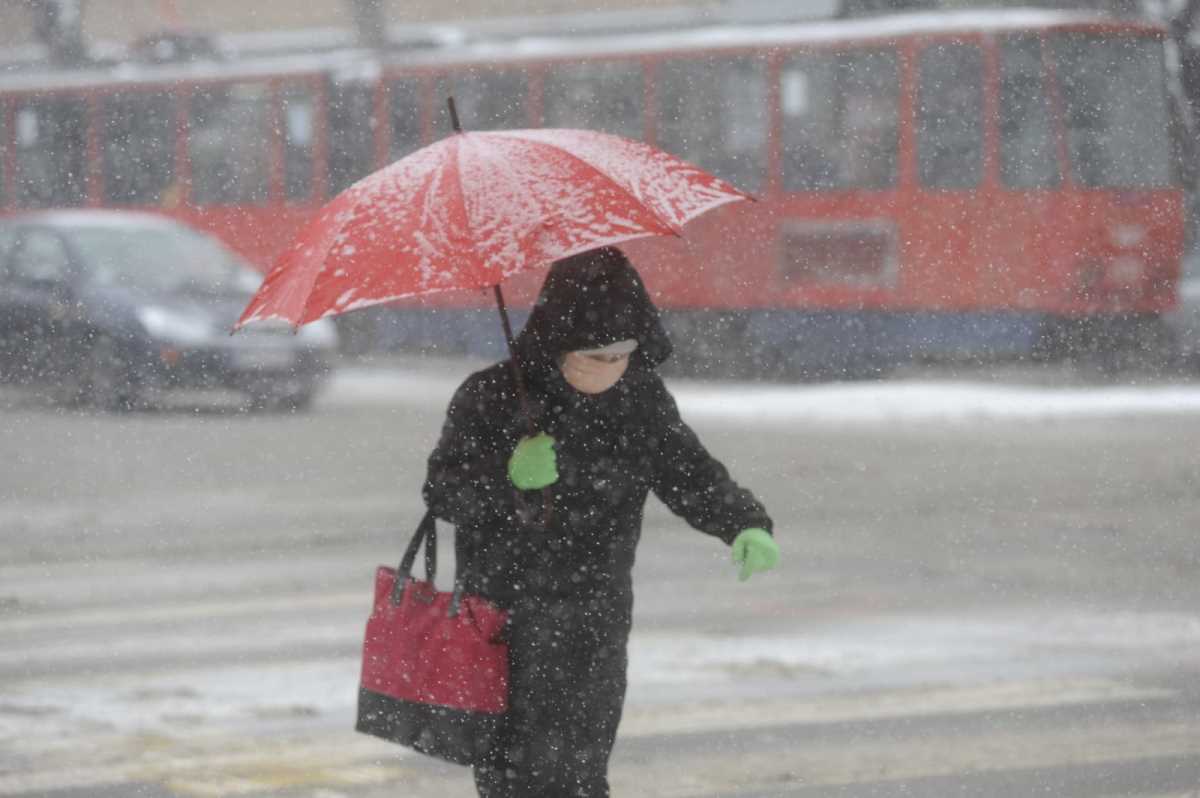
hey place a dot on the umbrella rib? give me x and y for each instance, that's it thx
(462, 192)
(326, 245)
(674, 230)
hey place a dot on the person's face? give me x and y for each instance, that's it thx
(593, 372)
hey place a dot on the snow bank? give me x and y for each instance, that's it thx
(895, 401)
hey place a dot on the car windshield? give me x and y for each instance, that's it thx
(162, 259)
(1114, 91)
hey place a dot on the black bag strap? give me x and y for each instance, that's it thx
(426, 533)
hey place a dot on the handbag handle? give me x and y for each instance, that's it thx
(426, 533)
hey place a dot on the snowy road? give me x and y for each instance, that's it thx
(987, 590)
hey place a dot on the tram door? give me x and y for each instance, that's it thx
(1024, 197)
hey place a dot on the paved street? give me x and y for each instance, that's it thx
(980, 604)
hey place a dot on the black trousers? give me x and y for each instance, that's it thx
(567, 687)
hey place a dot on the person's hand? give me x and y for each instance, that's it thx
(756, 551)
(533, 463)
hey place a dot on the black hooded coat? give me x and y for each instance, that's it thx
(568, 584)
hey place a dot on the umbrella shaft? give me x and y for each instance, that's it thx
(522, 397)
(518, 375)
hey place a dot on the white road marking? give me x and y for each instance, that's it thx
(876, 705)
(214, 762)
(125, 616)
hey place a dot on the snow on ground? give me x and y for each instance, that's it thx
(891, 401)
(906, 651)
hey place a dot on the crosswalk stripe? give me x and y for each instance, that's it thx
(216, 762)
(815, 763)
(876, 705)
(248, 606)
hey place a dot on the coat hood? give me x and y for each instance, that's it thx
(591, 300)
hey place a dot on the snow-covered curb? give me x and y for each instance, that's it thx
(856, 403)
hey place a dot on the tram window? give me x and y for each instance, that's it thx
(351, 133)
(7, 236)
(840, 120)
(712, 112)
(604, 95)
(299, 125)
(1027, 153)
(227, 144)
(1114, 93)
(3, 156)
(950, 116)
(485, 99)
(405, 99)
(138, 147)
(51, 144)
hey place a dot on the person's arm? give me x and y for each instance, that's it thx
(466, 481)
(694, 484)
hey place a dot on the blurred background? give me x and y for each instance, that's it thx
(978, 188)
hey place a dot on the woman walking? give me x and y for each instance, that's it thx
(609, 434)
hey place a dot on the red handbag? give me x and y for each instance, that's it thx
(434, 669)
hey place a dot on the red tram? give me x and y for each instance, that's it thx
(952, 184)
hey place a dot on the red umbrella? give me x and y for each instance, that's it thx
(475, 208)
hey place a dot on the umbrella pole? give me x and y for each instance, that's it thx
(523, 398)
(518, 376)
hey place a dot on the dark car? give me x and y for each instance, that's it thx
(111, 308)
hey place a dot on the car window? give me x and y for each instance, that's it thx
(161, 259)
(39, 256)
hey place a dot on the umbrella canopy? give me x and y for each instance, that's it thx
(475, 208)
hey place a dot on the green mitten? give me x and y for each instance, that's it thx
(756, 551)
(533, 463)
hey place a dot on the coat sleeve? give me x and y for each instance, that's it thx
(695, 485)
(466, 482)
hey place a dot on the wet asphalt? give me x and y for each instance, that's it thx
(997, 608)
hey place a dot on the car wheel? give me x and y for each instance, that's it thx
(106, 381)
(68, 388)
(293, 402)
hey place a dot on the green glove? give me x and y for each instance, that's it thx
(533, 463)
(756, 551)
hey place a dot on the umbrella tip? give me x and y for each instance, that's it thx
(453, 114)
